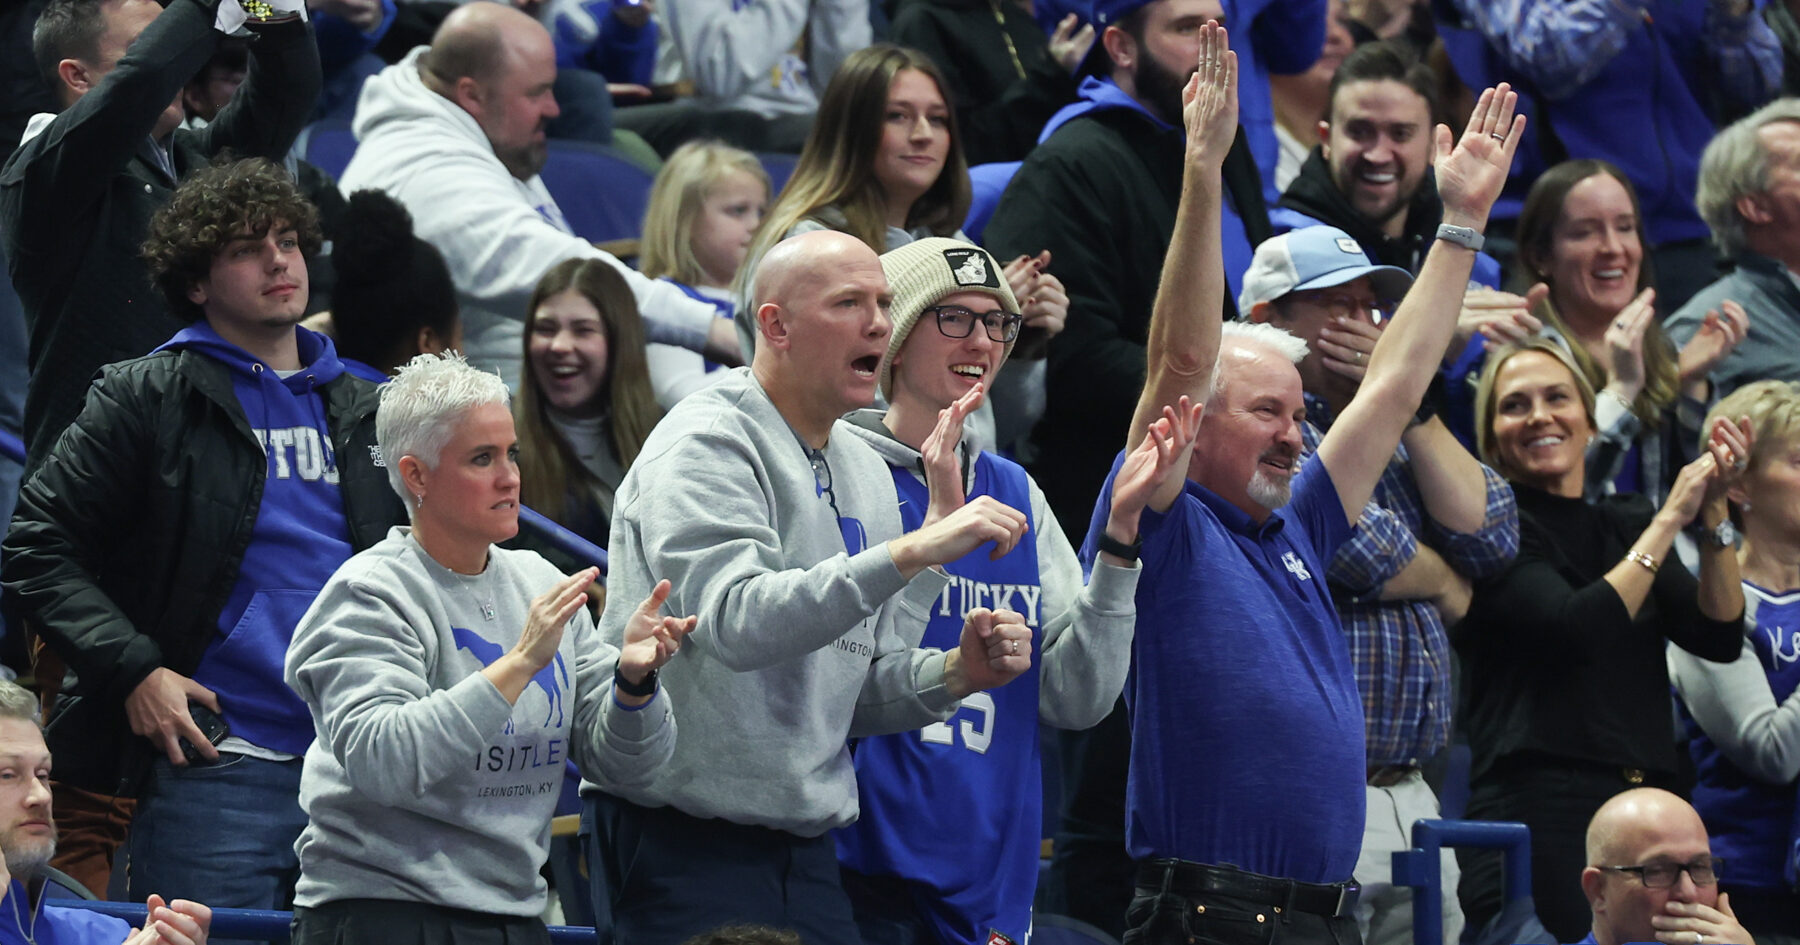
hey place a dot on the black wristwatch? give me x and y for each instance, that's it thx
(1428, 404)
(641, 690)
(1113, 546)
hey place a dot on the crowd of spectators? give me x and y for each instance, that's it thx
(1185, 440)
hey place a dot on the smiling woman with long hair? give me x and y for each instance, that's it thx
(585, 402)
(1568, 695)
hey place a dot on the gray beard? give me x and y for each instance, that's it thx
(1267, 492)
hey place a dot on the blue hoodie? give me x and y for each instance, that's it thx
(22, 923)
(299, 540)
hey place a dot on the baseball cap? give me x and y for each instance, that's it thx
(1314, 257)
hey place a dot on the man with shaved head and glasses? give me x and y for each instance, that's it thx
(1651, 875)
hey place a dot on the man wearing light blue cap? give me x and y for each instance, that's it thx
(1432, 527)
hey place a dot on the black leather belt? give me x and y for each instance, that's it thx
(1332, 900)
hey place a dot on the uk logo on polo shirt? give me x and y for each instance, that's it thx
(1296, 567)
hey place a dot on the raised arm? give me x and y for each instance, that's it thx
(1469, 176)
(1183, 340)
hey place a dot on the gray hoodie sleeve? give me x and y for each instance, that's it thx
(1734, 706)
(360, 664)
(905, 689)
(1086, 647)
(716, 542)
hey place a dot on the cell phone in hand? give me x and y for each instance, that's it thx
(210, 725)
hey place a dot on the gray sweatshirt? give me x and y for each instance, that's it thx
(423, 784)
(801, 640)
(1081, 632)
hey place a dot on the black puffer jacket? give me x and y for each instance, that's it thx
(129, 536)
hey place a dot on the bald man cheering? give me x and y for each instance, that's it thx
(1651, 875)
(781, 530)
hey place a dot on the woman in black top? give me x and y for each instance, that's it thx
(1568, 693)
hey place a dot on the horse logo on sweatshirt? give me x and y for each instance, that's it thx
(553, 679)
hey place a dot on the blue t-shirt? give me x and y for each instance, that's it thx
(931, 809)
(1747, 820)
(1246, 727)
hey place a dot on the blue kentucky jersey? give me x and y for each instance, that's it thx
(955, 808)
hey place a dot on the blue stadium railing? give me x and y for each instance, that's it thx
(1421, 868)
(263, 925)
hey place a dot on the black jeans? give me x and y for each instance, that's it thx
(1158, 918)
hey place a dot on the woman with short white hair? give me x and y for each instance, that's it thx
(449, 681)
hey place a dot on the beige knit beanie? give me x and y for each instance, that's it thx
(923, 272)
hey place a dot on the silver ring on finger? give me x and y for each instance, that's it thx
(1497, 136)
(1699, 938)
(1362, 358)
(1015, 647)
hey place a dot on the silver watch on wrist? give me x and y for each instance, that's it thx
(1461, 236)
(1722, 535)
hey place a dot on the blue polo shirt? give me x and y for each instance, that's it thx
(1246, 727)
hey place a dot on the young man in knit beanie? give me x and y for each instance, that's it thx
(975, 778)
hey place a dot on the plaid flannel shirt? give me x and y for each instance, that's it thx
(1400, 648)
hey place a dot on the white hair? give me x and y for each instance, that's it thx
(421, 406)
(1736, 165)
(1283, 342)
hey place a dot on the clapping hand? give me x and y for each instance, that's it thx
(1472, 170)
(1720, 333)
(941, 459)
(1729, 445)
(1042, 300)
(177, 923)
(1209, 102)
(651, 639)
(1499, 317)
(1625, 345)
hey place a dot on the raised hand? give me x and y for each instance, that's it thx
(158, 710)
(1499, 317)
(1209, 102)
(995, 649)
(1625, 345)
(1069, 45)
(1720, 333)
(652, 639)
(943, 469)
(1471, 171)
(1161, 454)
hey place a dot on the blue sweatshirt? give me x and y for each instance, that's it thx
(299, 539)
(22, 924)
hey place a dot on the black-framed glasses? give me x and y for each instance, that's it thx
(1703, 871)
(955, 321)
